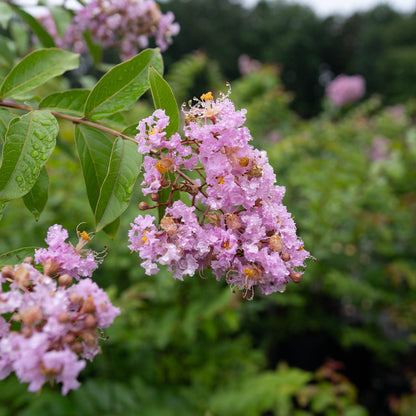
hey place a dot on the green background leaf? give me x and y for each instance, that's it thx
(68, 102)
(44, 37)
(5, 117)
(35, 200)
(16, 256)
(163, 98)
(94, 151)
(122, 86)
(118, 185)
(30, 140)
(37, 68)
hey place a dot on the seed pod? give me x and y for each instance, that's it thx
(296, 277)
(88, 306)
(89, 337)
(31, 316)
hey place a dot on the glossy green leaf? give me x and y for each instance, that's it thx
(2, 209)
(94, 151)
(35, 69)
(5, 117)
(16, 256)
(30, 140)
(44, 37)
(6, 52)
(163, 98)
(122, 86)
(35, 200)
(118, 185)
(68, 102)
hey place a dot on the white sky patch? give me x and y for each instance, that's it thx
(347, 7)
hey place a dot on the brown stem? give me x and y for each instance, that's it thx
(75, 120)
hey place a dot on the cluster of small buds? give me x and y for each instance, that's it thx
(235, 223)
(345, 89)
(126, 25)
(50, 324)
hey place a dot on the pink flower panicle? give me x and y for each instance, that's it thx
(126, 25)
(345, 89)
(52, 325)
(235, 223)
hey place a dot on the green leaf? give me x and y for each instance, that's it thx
(16, 256)
(95, 50)
(163, 98)
(30, 140)
(6, 14)
(44, 37)
(122, 86)
(62, 18)
(111, 229)
(6, 51)
(5, 117)
(2, 208)
(37, 68)
(118, 185)
(35, 200)
(94, 151)
(68, 102)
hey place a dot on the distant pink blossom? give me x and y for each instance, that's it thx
(345, 89)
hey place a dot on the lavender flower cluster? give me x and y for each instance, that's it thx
(235, 223)
(345, 89)
(49, 325)
(125, 25)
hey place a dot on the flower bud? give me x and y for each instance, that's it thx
(168, 224)
(77, 348)
(29, 260)
(27, 331)
(31, 316)
(285, 256)
(69, 338)
(65, 280)
(50, 267)
(90, 321)
(21, 275)
(143, 206)
(154, 196)
(7, 271)
(90, 338)
(296, 277)
(232, 221)
(214, 218)
(88, 306)
(275, 243)
(64, 317)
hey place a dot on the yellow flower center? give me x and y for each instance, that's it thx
(207, 96)
(226, 245)
(248, 272)
(144, 238)
(84, 236)
(161, 167)
(221, 180)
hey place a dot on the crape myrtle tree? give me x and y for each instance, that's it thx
(214, 208)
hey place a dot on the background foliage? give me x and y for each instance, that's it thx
(342, 341)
